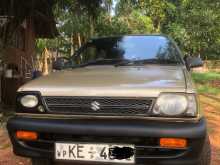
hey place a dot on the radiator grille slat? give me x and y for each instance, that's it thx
(98, 105)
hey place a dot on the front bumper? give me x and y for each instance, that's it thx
(144, 134)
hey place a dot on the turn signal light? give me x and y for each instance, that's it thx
(173, 143)
(26, 135)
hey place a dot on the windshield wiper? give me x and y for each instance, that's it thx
(100, 62)
(144, 62)
(128, 63)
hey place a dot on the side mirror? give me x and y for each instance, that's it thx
(59, 64)
(62, 63)
(36, 74)
(193, 62)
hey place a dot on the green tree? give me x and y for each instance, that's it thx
(195, 25)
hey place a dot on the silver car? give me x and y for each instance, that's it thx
(117, 100)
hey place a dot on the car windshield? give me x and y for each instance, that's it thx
(129, 50)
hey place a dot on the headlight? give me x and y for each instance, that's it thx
(29, 101)
(175, 105)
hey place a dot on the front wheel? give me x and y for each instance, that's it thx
(205, 158)
(36, 161)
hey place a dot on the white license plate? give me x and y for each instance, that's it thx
(89, 152)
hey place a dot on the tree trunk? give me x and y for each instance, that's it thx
(72, 44)
(92, 28)
(79, 39)
(57, 49)
(156, 24)
(46, 55)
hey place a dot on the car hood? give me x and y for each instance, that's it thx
(123, 81)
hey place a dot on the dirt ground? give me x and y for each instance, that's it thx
(211, 108)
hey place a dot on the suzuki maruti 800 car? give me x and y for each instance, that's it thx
(117, 100)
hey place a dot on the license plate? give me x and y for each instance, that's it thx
(89, 152)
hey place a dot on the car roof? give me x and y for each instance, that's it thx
(127, 35)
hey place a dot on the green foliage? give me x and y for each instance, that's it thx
(107, 26)
(135, 23)
(205, 77)
(41, 44)
(77, 21)
(198, 23)
(204, 80)
(140, 23)
(206, 89)
(194, 25)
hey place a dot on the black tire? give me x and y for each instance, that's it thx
(36, 161)
(205, 158)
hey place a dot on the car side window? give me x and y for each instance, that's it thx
(168, 53)
(89, 54)
(174, 54)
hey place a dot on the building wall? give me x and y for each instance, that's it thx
(22, 56)
(30, 42)
(20, 53)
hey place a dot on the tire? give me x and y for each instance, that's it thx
(205, 158)
(36, 161)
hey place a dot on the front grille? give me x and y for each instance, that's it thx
(99, 105)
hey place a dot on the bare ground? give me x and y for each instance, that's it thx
(211, 108)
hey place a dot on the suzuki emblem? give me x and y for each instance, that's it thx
(95, 106)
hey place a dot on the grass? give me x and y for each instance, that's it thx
(202, 78)
(203, 82)
(206, 89)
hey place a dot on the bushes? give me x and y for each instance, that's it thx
(204, 82)
(202, 78)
